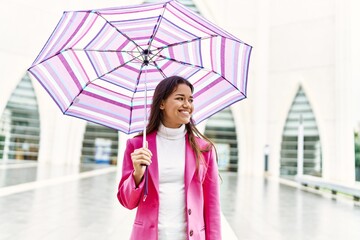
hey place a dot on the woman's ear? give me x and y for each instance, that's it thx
(162, 107)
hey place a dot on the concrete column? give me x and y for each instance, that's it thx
(75, 138)
(342, 167)
(257, 89)
(355, 58)
(57, 143)
(121, 149)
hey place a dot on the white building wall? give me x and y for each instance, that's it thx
(302, 52)
(309, 43)
(342, 168)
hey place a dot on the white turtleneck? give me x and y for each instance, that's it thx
(171, 159)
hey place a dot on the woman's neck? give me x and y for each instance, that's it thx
(171, 133)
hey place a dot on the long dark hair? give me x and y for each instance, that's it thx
(163, 90)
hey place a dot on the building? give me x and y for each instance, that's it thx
(304, 68)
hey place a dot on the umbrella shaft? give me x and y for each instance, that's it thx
(145, 108)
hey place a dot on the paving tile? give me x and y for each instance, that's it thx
(258, 208)
(87, 208)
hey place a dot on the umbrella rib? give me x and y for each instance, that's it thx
(157, 26)
(201, 67)
(187, 41)
(131, 53)
(91, 81)
(185, 63)
(197, 66)
(112, 25)
(99, 50)
(198, 39)
(114, 69)
(45, 59)
(86, 50)
(159, 69)
(209, 23)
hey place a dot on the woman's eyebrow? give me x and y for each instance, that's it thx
(183, 95)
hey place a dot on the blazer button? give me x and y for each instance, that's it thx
(189, 211)
(191, 233)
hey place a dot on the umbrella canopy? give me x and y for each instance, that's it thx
(103, 65)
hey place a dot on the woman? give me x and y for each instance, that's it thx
(183, 190)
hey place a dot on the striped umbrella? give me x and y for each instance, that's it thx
(103, 65)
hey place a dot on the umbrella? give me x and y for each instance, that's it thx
(103, 65)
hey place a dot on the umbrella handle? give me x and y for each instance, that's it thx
(146, 169)
(146, 184)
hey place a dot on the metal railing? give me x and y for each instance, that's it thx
(335, 187)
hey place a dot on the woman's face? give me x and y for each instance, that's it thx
(178, 107)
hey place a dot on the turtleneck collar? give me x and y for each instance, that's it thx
(171, 133)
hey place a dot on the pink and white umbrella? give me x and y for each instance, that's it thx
(103, 65)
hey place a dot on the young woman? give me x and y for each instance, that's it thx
(183, 187)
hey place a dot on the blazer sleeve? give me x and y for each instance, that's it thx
(211, 191)
(128, 194)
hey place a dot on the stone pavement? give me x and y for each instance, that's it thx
(43, 202)
(266, 208)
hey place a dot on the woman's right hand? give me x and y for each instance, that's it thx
(141, 158)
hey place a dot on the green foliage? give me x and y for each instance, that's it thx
(357, 149)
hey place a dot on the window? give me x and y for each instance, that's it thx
(100, 144)
(300, 108)
(20, 124)
(220, 128)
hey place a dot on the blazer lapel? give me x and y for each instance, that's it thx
(190, 164)
(153, 168)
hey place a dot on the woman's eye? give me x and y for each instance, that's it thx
(183, 99)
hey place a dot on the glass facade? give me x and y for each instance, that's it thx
(100, 144)
(300, 109)
(20, 124)
(220, 128)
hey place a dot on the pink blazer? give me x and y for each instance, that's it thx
(201, 192)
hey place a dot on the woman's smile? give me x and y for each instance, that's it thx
(178, 107)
